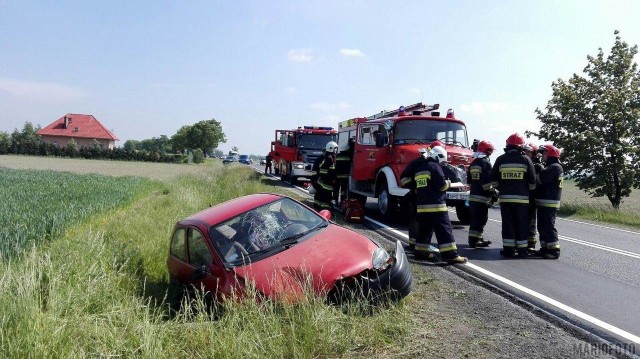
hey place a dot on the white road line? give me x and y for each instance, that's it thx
(600, 246)
(593, 245)
(595, 321)
(599, 225)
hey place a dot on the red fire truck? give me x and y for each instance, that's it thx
(386, 142)
(294, 151)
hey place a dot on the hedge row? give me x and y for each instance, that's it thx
(92, 152)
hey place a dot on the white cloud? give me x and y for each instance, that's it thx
(481, 108)
(38, 92)
(351, 53)
(300, 55)
(291, 90)
(331, 120)
(326, 106)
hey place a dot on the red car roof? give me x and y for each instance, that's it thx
(229, 209)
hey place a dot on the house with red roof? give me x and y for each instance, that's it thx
(83, 129)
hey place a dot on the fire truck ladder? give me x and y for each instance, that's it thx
(415, 109)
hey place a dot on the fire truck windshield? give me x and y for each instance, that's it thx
(314, 142)
(427, 131)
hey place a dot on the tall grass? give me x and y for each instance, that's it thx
(99, 291)
(576, 203)
(40, 205)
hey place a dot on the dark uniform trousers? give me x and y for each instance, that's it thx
(531, 236)
(515, 227)
(479, 218)
(440, 223)
(324, 185)
(547, 229)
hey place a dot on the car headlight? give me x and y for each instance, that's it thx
(380, 259)
(298, 166)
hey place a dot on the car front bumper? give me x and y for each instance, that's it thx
(397, 279)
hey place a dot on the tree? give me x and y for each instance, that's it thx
(596, 120)
(205, 135)
(235, 148)
(131, 145)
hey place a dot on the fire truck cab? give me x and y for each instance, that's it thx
(294, 151)
(387, 142)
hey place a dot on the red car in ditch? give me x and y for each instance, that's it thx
(278, 244)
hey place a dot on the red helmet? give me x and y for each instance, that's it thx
(436, 143)
(532, 147)
(551, 150)
(515, 140)
(485, 147)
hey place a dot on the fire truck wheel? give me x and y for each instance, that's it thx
(463, 213)
(386, 203)
(290, 177)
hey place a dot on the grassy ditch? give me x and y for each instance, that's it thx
(98, 289)
(578, 204)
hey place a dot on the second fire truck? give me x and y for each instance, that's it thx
(294, 151)
(385, 143)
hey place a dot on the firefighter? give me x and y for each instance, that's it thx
(513, 175)
(268, 164)
(424, 175)
(343, 169)
(326, 178)
(547, 199)
(315, 168)
(531, 150)
(479, 179)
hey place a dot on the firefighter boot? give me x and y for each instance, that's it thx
(523, 252)
(531, 246)
(551, 254)
(421, 255)
(508, 252)
(457, 260)
(474, 242)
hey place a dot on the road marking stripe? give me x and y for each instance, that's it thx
(595, 321)
(555, 303)
(599, 225)
(600, 246)
(593, 245)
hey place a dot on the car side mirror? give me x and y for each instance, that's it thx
(326, 214)
(215, 270)
(202, 271)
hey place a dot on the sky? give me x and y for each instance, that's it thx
(146, 68)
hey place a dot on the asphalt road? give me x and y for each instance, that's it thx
(595, 284)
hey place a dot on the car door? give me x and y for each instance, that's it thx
(192, 261)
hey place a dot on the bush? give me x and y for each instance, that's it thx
(198, 156)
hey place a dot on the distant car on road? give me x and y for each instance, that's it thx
(263, 161)
(229, 159)
(245, 159)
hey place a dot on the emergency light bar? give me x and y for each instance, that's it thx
(318, 128)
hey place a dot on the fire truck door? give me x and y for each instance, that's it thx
(367, 157)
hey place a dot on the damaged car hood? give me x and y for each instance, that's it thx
(328, 256)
